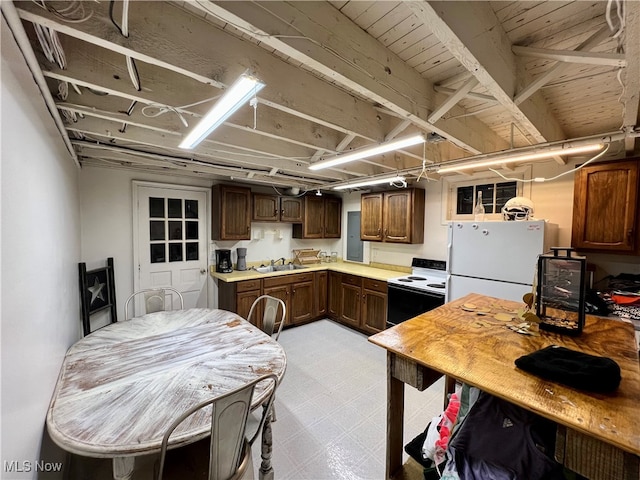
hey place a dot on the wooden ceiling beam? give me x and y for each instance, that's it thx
(572, 56)
(326, 41)
(483, 48)
(176, 40)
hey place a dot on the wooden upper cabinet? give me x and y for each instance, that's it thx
(605, 207)
(322, 218)
(266, 208)
(291, 209)
(332, 217)
(371, 216)
(230, 213)
(273, 208)
(396, 216)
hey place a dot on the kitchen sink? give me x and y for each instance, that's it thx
(279, 268)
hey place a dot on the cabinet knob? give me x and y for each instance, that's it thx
(275, 212)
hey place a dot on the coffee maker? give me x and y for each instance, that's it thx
(223, 261)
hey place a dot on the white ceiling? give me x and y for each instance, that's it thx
(476, 77)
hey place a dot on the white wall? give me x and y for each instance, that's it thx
(40, 245)
(107, 228)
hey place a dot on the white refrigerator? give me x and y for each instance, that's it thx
(498, 259)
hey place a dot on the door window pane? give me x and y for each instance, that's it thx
(191, 250)
(175, 230)
(156, 230)
(175, 252)
(156, 207)
(190, 209)
(174, 205)
(191, 230)
(157, 253)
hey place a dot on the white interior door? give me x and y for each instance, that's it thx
(170, 240)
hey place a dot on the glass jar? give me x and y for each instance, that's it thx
(334, 257)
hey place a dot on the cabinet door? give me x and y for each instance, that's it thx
(335, 294)
(320, 288)
(374, 311)
(231, 213)
(371, 217)
(606, 207)
(291, 209)
(350, 307)
(244, 300)
(283, 293)
(332, 217)
(313, 225)
(302, 301)
(265, 208)
(397, 217)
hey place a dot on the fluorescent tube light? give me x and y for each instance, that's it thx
(522, 157)
(236, 96)
(368, 152)
(373, 181)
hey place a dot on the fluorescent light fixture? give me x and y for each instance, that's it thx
(523, 157)
(373, 181)
(236, 96)
(368, 152)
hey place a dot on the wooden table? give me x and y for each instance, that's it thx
(598, 434)
(122, 386)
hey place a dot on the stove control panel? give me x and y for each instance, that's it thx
(430, 264)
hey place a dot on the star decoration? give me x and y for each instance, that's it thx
(96, 290)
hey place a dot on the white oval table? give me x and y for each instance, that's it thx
(120, 387)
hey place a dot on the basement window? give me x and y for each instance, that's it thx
(462, 197)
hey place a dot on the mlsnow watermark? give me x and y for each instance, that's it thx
(17, 466)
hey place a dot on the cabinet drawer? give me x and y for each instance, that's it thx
(376, 285)
(287, 279)
(352, 280)
(248, 285)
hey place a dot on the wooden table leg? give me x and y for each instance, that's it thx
(123, 468)
(395, 421)
(266, 469)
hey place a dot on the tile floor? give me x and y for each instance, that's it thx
(330, 408)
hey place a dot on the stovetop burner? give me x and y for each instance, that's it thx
(426, 275)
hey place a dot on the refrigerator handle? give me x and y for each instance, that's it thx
(448, 259)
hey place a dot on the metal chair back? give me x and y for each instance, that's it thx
(274, 312)
(230, 444)
(155, 300)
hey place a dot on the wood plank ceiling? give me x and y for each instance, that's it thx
(130, 79)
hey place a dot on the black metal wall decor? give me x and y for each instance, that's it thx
(97, 293)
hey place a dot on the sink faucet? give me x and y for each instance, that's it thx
(273, 262)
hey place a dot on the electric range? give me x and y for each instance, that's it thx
(422, 290)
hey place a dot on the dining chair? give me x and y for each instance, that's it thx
(97, 296)
(229, 441)
(155, 300)
(271, 322)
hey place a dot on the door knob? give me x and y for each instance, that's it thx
(203, 271)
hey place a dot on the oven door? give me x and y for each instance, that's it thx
(404, 303)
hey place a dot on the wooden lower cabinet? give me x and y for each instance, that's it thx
(334, 294)
(239, 296)
(358, 302)
(321, 285)
(297, 293)
(374, 305)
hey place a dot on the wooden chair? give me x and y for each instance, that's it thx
(155, 300)
(229, 442)
(271, 322)
(97, 294)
